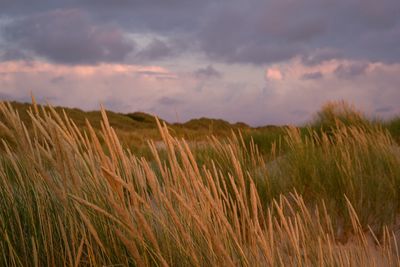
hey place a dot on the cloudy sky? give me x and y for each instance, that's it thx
(261, 62)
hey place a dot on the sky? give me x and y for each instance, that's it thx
(259, 62)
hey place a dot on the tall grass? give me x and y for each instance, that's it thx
(78, 198)
(394, 128)
(334, 113)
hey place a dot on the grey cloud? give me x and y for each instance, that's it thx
(378, 14)
(320, 55)
(207, 72)
(227, 40)
(68, 36)
(262, 54)
(255, 31)
(155, 50)
(312, 76)
(10, 54)
(307, 31)
(261, 32)
(351, 71)
(23, 7)
(171, 17)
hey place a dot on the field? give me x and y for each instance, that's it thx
(132, 190)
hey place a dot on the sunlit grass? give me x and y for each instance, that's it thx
(76, 196)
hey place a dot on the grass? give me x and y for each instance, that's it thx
(339, 113)
(75, 195)
(135, 129)
(394, 128)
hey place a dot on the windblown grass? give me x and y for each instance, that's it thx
(393, 126)
(79, 198)
(340, 113)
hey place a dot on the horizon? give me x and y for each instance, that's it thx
(259, 62)
(231, 122)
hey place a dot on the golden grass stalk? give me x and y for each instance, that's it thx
(78, 197)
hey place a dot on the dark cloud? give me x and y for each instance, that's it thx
(312, 76)
(23, 7)
(378, 14)
(207, 72)
(10, 54)
(130, 15)
(68, 36)
(319, 56)
(261, 32)
(155, 50)
(255, 31)
(351, 71)
(237, 34)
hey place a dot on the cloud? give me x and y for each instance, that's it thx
(208, 72)
(156, 72)
(127, 88)
(312, 76)
(263, 32)
(134, 87)
(68, 37)
(351, 70)
(12, 54)
(320, 56)
(273, 74)
(155, 50)
(255, 32)
(277, 57)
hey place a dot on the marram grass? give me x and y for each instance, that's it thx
(73, 197)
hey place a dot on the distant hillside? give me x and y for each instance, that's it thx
(134, 129)
(207, 123)
(133, 121)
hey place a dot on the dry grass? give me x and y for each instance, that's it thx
(79, 198)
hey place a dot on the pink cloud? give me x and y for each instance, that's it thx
(80, 70)
(136, 86)
(274, 74)
(286, 97)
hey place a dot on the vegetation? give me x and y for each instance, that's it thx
(394, 128)
(135, 129)
(339, 113)
(74, 194)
